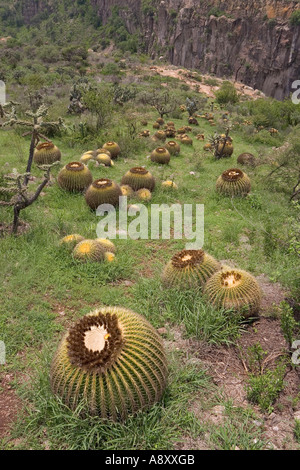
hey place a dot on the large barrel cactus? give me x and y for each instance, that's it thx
(189, 269)
(112, 361)
(102, 191)
(46, 153)
(234, 289)
(233, 182)
(138, 178)
(74, 177)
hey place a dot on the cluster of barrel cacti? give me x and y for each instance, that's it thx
(112, 359)
(88, 250)
(224, 287)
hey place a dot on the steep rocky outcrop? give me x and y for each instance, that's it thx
(251, 41)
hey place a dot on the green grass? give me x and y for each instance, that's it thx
(45, 290)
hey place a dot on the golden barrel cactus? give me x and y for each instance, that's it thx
(113, 148)
(138, 178)
(89, 250)
(173, 147)
(112, 361)
(233, 182)
(189, 269)
(70, 241)
(74, 177)
(103, 191)
(235, 289)
(46, 153)
(160, 155)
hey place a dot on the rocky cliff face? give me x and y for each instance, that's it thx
(252, 41)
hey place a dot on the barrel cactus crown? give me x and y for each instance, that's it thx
(111, 360)
(234, 289)
(70, 241)
(189, 269)
(74, 177)
(46, 153)
(89, 250)
(138, 178)
(113, 148)
(173, 147)
(102, 191)
(233, 182)
(160, 155)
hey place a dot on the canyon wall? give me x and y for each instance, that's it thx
(252, 42)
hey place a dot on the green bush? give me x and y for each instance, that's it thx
(227, 94)
(295, 18)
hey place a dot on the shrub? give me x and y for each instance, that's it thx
(227, 94)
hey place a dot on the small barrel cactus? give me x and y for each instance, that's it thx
(233, 182)
(169, 185)
(186, 140)
(74, 177)
(207, 147)
(113, 148)
(144, 194)
(86, 158)
(160, 121)
(46, 153)
(70, 241)
(224, 149)
(113, 361)
(160, 155)
(160, 135)
(103, 150)
(104, 159)
(89, 250)
(189, 269)
(246, 159)
(173, 147)
(127, 190)
(102, 191)
(138, 178)
(234, 289)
